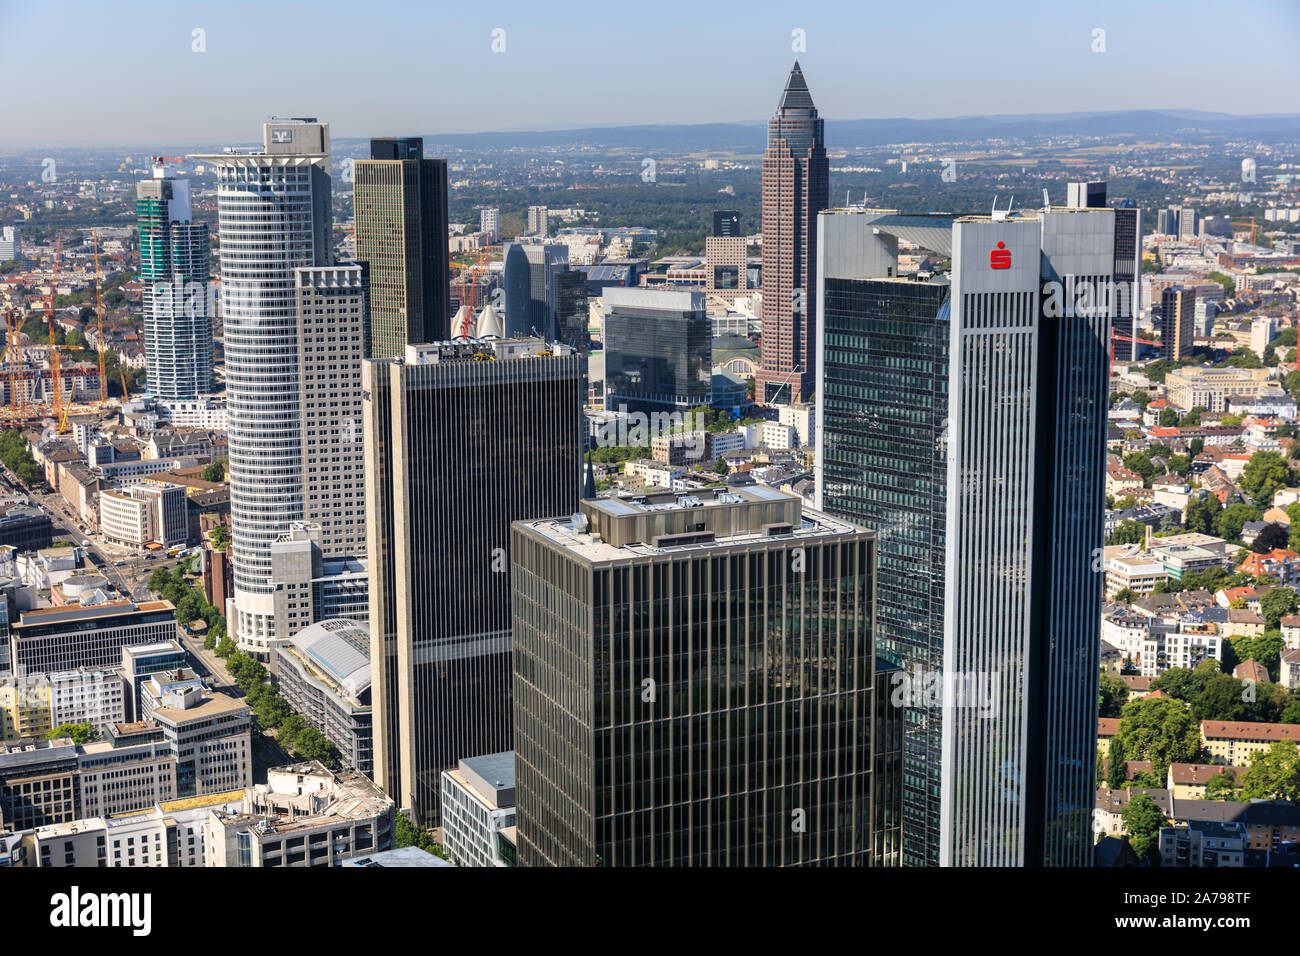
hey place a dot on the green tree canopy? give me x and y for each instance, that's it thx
(1161, 730)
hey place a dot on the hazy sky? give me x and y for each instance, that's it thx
(126, 72)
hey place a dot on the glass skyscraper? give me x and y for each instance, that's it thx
(965, 424)
(658, 350)
(400, 206)
(174, 256)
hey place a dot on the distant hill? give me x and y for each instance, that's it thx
(749, 137)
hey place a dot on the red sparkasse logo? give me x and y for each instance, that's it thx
(1000, 258)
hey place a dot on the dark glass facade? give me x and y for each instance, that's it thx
(657, 359)
(400, 201)
(884, 406)
(458, 449)
(572, 313)
(703, 707)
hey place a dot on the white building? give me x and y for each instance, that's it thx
(86, 696)
(278, 290)
(140, 514)
(478, 804)
(801, 417)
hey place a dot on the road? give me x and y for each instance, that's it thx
(130, 578)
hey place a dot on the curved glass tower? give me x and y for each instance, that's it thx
(274, 217)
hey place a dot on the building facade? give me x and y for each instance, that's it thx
(696, 685)
(462, 438)
(796, 187)
(177, 312)
(400, 206)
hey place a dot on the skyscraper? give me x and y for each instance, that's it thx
(293, 330)
(964, 422)
(400, 206)
(1177, 315)
(572, 311)
(796, 187)
(726, 222)
(538, 220)
(529, 271)
(174, 254)
(696, 685)
(490, 223)
(462, 439)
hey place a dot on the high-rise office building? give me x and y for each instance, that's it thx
(174, 252)
(696, 685)
(11, 243)
(1167, 222)
(529, 271)
(293, 336)
(658, 350)
(796, 187)
(400, 206)
(462, 438)
(490, 224)
(963, 419)
(726, 222)
(1189, 221)
(572, 310)
(1128, 263)
(1177, 316)
(726, 261)
(538, 220)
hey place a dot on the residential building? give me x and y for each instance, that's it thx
(1203, 843)
(11, 243)
(1232, 742)
(1177, 310)
(400, 205)
(490, 224)
(1187, 781)
(177, 311)
(497, 428)
(1211, 388)
(538, 220)
(627, 754)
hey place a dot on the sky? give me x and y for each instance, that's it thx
(137, 72)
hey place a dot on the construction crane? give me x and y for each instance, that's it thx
(56, 379)
(99, 312)
(122, 372)
(63, 422)
(1243, 224)
(13, 352)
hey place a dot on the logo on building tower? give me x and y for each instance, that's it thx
(1000, 258)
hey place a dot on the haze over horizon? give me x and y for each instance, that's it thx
(137, 79)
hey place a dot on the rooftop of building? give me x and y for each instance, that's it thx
(75, 612)
(610, 529)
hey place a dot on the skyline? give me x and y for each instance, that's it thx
(1036, 62)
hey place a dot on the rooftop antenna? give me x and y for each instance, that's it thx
(1047, 203)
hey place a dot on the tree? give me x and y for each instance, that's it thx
(1184, 684)
(187, 609)
(1273, 774)
(225, 647)
(1140, 462)
(215, 471)
(1128, 532)
(1112, 693)
(1161, 730)
(1142, 399)
(1180, 465)
(1168, 418)
(1142, 822)
(1266, 472)
(1223, 786)
(159, 580)
(1230, 520)
(1202, 514)
(1126, 595)
(1266, 648)
(721, 467)
(1116, 767)
(1274, 535)
(1276, 604)
(80, 733)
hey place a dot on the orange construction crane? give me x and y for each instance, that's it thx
(99, 312)
(122, 372)
(56, 379)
